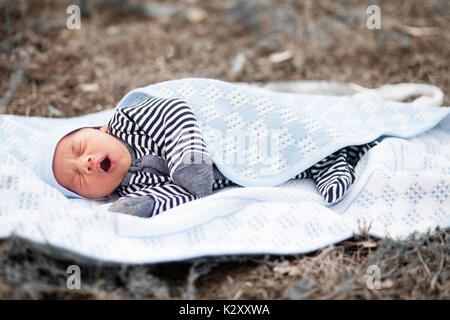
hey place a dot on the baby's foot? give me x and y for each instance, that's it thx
(334, 189)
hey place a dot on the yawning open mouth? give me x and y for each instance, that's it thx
(105, 164)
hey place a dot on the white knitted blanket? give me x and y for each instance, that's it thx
(402, 185)
(260, 138)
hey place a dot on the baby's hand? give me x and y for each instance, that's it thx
(196, 178)
(141, 206)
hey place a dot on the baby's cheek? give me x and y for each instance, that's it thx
(106, 185)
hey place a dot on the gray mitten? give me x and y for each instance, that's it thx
(198, 179)
(141, 206)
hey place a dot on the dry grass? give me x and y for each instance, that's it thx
(415, 268)
(119, 49)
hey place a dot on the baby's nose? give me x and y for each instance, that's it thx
(88, 164)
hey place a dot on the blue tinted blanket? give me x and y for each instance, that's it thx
(259, 137)
(402, 185)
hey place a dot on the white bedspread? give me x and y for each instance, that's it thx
(402, 185)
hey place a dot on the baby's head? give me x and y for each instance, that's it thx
(86, 161)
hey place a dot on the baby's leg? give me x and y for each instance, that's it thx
(303, 175)
(336, 173)
(356, 152)
(220, 181)
(333, 176)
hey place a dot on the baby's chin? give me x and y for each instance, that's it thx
(105, 190)
(93, 197)
(96, 194)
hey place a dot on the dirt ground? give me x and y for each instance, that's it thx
(48, 70)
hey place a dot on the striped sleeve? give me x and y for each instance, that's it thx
(165, 196)
(167, 128)
(124, 126)
(170, 125)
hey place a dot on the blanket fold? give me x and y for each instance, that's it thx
(258, 137)
(402, 185)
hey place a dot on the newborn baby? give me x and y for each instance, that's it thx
(152, 154)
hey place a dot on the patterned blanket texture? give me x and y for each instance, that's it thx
(258, 137)
(402, 185)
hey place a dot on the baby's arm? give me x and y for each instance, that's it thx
(189, 162)
(171, 124)
(136, 206)
(150, 201)
(196, 178)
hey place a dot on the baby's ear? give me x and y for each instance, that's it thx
(104, 128)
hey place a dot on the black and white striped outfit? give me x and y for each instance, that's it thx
(336, 173)
(168, 128)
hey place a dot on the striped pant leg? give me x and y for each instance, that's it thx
(333, 176)
(336, 173)
(303, 175)
(220, 181)
(355, 153)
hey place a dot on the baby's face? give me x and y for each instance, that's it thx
(90, 162)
